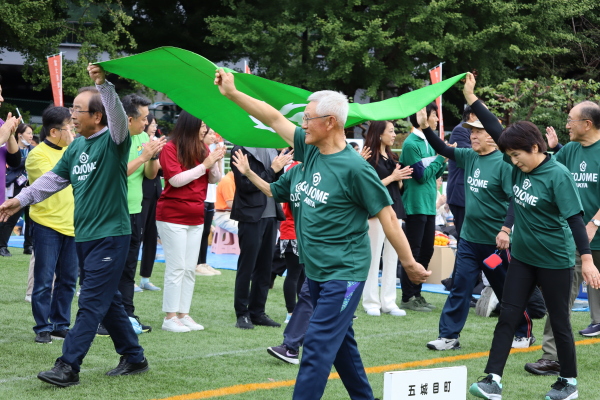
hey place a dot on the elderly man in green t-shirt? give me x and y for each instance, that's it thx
(95, 165)
(143, 161)
(332, 196)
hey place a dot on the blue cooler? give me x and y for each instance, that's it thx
(583, 291)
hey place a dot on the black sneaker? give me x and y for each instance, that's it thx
(4, 252)
(265, 320)
(244, 322)
(102, 331)
(43, 338)
(127, 368)
(28, 250)
(145, 328)
(59, 335)
(284, 354)
(60, 375)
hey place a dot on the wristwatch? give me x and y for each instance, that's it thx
(595, 222)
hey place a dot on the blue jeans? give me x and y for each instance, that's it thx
(330, 341)
(101, 262)
(469, 265)
(55, 254)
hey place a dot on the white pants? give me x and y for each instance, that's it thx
(222, 220)
(372, 297)
(181, 245)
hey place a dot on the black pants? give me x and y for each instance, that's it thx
(521, 280)
(420, 233)
(127, 281)
(209, 213)
(459, 216)
(7, 227)
(293, 280)
(149, 236)
(257, 241)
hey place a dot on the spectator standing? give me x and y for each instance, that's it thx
(188, 169)
(55, 267)
(16, 180)
(419, 202)
(257, 217)
(225, 195)
(151, 189)
(210, 139)
(380, 137)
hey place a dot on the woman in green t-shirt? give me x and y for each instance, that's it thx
(548, 224)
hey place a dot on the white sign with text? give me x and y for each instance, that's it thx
(426, 384)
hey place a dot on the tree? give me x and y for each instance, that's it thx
(544, 102)
(36, 28)
(387, 47)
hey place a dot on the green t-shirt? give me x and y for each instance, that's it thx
(97, 169)
(331, 197)
(420, 194)
(543, 200)
(488, 191)
(134, 181)
(584, 165)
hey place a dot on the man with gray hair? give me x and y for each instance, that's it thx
(581, 157)
(331, 196)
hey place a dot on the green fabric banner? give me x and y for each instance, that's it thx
(188, 79)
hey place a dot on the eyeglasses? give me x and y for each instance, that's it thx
(575, 120)
(306, 119)
(72, 111)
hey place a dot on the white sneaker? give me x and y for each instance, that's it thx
(28, 298)
(374, 312)
(190, 323)
(523, 342)
(214, 271)
(174, 325)
(397, 312)
(444, 344)
(202, 270)
(487, 302)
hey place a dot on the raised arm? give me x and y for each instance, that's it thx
(117, 119)
(260, 110)
(489, 121)
(436, 143)
(240, 161)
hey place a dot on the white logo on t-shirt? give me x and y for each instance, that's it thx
(526, 184)
(477, 172)
(316, 178)
(83, 158)
(582, 166)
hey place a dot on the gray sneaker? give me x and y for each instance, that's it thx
(426, 304)
(487, 388)
(444, 344)
(562, 390)
(414, 304)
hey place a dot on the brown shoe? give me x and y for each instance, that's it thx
(543, 367)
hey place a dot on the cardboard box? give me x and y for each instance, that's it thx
(441, 265)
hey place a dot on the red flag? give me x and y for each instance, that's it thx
(436, 76)
(247, 68)
(55, 66)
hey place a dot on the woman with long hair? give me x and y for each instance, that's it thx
(380, 137)
(188, 168)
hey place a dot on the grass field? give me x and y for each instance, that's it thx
(222, 356)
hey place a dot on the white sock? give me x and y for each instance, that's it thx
(572, 381)
(496, 378)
